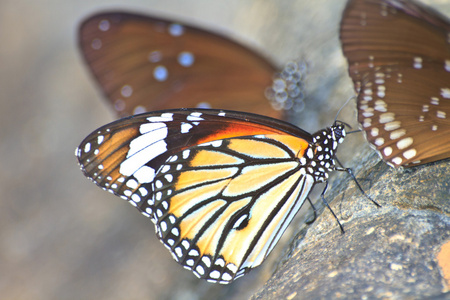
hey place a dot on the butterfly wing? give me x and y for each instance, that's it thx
(399, 60)
(220, 186)
(144, 63)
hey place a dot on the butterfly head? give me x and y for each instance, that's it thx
(326, 142)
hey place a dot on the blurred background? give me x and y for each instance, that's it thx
(61, 237)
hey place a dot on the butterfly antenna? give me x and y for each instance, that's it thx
(346, 102)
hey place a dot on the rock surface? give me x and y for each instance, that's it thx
(387, 252)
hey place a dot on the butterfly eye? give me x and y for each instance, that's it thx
(399, 56)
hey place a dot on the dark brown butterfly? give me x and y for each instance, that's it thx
(144, 63)
(399, 59)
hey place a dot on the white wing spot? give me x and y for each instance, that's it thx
(186, 154)
(379, 141)
(104, 25)
(397, 134)
(160, 73)
(405, 143)
(126, 91)
(168, 177)
(392, 126)
(410, 153)
(144, 174)
(417, 62)
(176, 29)
(387, 117)
(397, 160)
(155, 56)
(186, 59)
(87, 147)
(374, 131)
(96, 44)
(136, 198)
(387, 151)
(441, 114)
(132, 184)
(445, 92)
(185, 127)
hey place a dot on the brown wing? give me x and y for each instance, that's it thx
(399, 59)
(144, 63)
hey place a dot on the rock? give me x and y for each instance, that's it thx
(387, 252)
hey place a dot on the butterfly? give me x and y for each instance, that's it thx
(143, 63)
(220, 186)
(398, 53)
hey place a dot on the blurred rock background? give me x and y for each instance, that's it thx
(61, 237)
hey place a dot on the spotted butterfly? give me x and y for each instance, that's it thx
(220, 186)
(399, 60)
(143, 63)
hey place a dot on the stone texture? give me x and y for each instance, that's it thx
(387, 252)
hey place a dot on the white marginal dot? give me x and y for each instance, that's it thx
(445, 92)
(126, 91)
(186, 59)
(190, 262)
(417, 62)
(374, 131)
(193, 252)
(185, 244)
(405, 143)
(220, 262)
(397, 134)
(186, 154)
(226, 276)
(143, 191)
(160, 73)
(87, 147)
(392, 126)
(387, 117)
(434, 127)
(168, 177)
(155, 56)
(96, 44)
(214, 274)
(200, 270)
(176, 29)
(397, 160)
(179, 251)
(175, 231)
(409, 153)
(132, 184)
(139, 110)
(379, 141)
(387, 151)
(104, 25)
(232, 267)
(136, 198)
(441, 114)
(163, 226)
(434, 100)
(207, 261)
(447, 65)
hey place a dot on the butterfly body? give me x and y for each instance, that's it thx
(220, 186)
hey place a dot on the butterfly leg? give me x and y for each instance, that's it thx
(350, 172)
(309, 222)
(326, 203)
